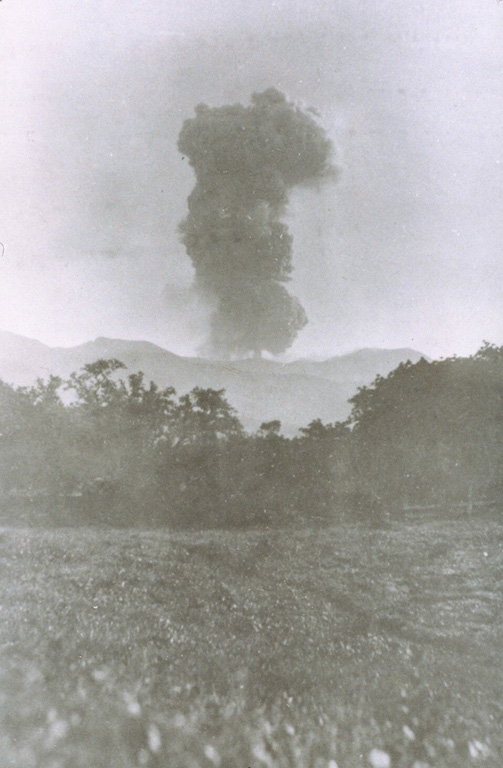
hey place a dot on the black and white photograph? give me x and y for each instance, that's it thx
(251, 384)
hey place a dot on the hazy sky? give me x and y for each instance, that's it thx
(406, 249)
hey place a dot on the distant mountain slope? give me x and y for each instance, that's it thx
(260, 390)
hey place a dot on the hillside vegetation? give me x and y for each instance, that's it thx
(106, 447)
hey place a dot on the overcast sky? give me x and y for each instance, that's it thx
(406, 249)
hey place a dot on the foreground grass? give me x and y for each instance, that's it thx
(310, 649)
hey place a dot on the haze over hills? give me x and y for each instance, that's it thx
(260, 390)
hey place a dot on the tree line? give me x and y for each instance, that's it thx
(106, 447)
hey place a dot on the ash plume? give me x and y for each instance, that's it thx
(246, 161)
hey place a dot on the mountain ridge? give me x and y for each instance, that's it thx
(295, 392)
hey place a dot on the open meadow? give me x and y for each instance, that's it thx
(338, 647)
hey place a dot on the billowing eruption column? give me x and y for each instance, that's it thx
(246, 159)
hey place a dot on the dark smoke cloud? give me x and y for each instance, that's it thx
(246, 160)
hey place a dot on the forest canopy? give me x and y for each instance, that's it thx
(106, 447)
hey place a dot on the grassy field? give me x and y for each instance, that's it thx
(308, 649)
